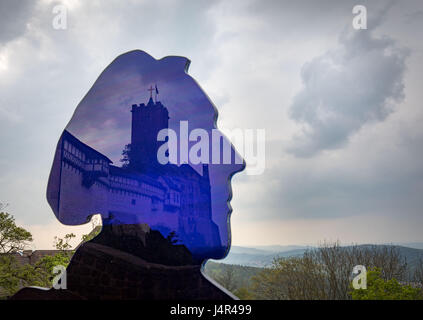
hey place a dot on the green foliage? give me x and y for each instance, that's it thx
(235, 278)
(320, 274)
(12, 237)
(87, 237)
(14, 275)
(226, 277)
(381, 289)
(243, 294)
(62, 244)
(42, 270)
(290, 278)
(9, 275)
(324, 273)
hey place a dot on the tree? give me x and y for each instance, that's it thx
(226, 277)
(325, 272)
(243, 294)
(62, 244)
(380, 289)
(14, 275)
(235, 278)
(126, 156)
(290, 279)
(9, 275)
(337, 263)
(96, 224)
(418, 273)
(92, 234)
(41, 272)
(12, 237)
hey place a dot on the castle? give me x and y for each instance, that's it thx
(169, 198)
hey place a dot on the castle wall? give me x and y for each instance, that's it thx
(78, 201)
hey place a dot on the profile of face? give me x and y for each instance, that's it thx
(143, 151)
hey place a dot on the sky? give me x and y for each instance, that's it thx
(340, 107)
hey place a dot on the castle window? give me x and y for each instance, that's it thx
(154, 204)
(133, 202)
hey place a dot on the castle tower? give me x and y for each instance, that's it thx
(147, 121)
(206, 210)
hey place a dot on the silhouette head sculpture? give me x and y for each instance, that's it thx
(143, 151)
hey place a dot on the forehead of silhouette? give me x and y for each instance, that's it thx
(108, 160)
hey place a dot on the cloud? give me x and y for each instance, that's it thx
(14, 16)
(358, 82)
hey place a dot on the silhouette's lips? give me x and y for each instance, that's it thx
(229, 207)
(230, 194)
(229, 199)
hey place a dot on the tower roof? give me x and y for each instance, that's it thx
(150, 102)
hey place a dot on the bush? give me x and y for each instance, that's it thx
(381, 289)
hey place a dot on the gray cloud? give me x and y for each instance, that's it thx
(358, 82)
(14, 16)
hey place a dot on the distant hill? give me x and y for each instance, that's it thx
(266, 249)
(247, 250)
(259, 259)
(264, 255)
(278, 248)
(415, 245)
